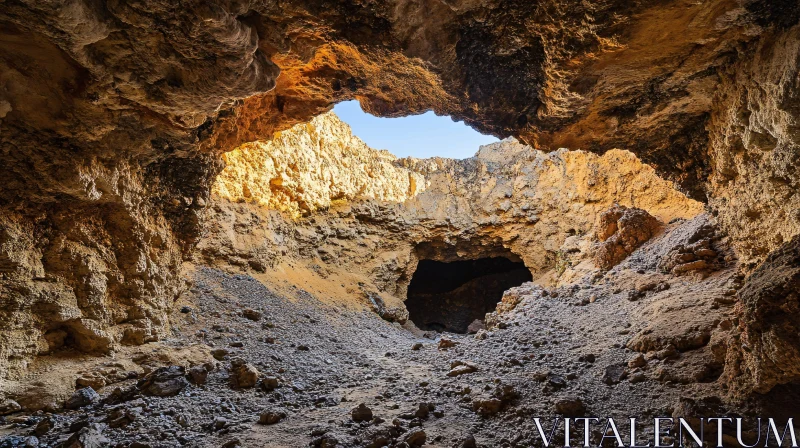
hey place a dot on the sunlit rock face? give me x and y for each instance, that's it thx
(755, 146)
(313, 166)
(114, 116)
(508, 197)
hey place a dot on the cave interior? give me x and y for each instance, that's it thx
(452, 296)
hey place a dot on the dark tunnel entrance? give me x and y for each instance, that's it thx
(450, 296)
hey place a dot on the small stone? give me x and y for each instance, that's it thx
(43, 427)
(9, 407)
(487, 406)
(183, 420)
(219, 353)
(462, 369)
(236, 344)
(303, 348)
(556, 382)
(637, 361)
(198, 375)
(244, 375)
(220, 423)
(469, 442)
(540, 376)
(481, 335)
(570, 407)
(88, 437)
(186, 309)
(422, 412)
(614, 374)
(416, 346)
(476, 326)
(79, 424)
(445, 343)
(271, 416)
(415, 437)
(252, 314)
(81, 398)
(637, 377)
(164, 382)
(269, 383)
(361, 413)
(93, 381)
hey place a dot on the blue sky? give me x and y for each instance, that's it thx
(419, 136)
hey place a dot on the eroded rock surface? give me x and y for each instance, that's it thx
(620, 231)
(311, 167)
(359, 382)
(508, 201)
(114, 117)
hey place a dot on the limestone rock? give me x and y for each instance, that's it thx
(770, 299)
(570, 407)
(243, 375)
(415, 437)
(272, 416)
(8, 406)
(621, 230)
(82, 397)
(285, 177)
(459, 368)
(164, 381)
(88, 437)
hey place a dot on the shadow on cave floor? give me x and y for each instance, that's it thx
(451, 296)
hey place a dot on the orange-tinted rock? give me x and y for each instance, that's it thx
(621, 230)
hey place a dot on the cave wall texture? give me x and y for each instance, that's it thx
(507, 199)
(114, 116)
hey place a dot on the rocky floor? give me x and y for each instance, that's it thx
(287, 370)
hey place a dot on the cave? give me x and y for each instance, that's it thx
(176, 177)
(451, 296)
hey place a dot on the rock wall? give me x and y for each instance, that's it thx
(311, 167)
(769, 306)
(114, 115)
(85, 277)
(508, 198)
(755, 146)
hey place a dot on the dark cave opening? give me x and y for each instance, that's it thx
(450, 296)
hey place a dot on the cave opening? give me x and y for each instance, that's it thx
(422, 135)
(452, 296)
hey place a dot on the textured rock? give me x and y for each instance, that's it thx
(755, 145)
(272, 416)
(243, 375)
(82, 397)
(311, 167)
(771, 301)
(9, 407)
(620, 231)
(570, 407)
(88, 437)
(509, 200)
(114, 116)
(164, 382)
(361, 413)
